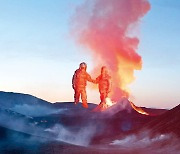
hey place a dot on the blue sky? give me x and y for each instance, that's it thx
(158, 82)
(39, 56)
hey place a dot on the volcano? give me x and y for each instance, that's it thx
(32, 125)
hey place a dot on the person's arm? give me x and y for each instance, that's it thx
(97, 79)
(73, 80)
(88, 77)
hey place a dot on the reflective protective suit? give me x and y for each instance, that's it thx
(79, 82)
(104, 82)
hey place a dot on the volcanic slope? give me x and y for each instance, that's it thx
(25, 104)
(119, 119)
(68, 126)
(169, 122)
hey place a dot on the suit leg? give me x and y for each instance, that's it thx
(84, 98)
(76, 96)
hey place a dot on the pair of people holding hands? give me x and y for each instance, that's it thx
(79, 82)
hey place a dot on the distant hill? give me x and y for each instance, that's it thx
(25, 104)
(10, 99)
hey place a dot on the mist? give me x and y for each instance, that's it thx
(81, 137)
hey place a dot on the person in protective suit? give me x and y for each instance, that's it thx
(104, 83)
(79, 82)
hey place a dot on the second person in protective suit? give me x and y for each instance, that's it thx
(104, 83)
(79, 82)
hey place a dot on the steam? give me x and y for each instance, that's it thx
(22, 124)
(20, 133)
(143, 143)
(38, 133)
(82, 137)
(137, 141)
(107, 28)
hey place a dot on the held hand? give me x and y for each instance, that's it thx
(94, 81)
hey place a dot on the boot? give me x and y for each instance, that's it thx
(76, 102)
(85, 105)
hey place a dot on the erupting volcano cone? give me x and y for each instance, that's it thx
(123, 104)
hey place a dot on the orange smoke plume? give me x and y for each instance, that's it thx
(106, 27)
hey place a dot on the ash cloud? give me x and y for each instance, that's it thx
(105, 27)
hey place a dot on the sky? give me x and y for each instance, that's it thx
(39, 55)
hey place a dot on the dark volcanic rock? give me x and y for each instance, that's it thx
(169, 122)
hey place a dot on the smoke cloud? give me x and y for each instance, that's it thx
(107, 28)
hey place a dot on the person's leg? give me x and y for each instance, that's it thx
(76, 96)
(84, 98)
(102, 97)
(105, 94)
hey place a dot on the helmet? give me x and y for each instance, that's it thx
(83, 65)
(103, 69)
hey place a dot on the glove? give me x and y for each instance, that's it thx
(94, 81)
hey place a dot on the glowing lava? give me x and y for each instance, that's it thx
(103, 106)
(109, 102)
(138, 109)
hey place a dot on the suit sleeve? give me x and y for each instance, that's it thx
(98, 79)
(88, 77)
